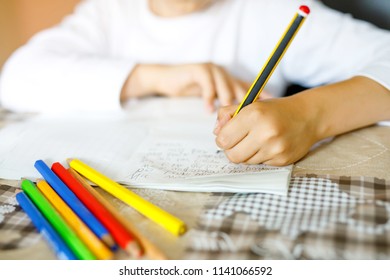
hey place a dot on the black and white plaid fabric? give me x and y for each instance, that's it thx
(16, 229)
(321, 218)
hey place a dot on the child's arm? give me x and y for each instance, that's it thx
(207, 80)
(281, 131)
(79, 65)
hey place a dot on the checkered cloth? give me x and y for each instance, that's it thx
(321, 218)
(16, 229)
(324, 217)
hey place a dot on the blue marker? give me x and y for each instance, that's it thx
(43, 226)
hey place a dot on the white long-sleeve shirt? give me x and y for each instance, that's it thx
(83, 63)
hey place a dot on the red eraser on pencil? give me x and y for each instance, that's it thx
(305, 11)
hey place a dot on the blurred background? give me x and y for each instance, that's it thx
(21, 19)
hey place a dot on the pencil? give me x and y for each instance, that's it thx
(121, 236)
(67, 234)
(74, 203)
(43, 226)
(274, 59)
(149, 210)
(149, 248)
(85, 234)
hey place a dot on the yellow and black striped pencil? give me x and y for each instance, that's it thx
(275, 57)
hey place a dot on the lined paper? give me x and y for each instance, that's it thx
(159, 151)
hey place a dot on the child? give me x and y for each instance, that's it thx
(110, 51)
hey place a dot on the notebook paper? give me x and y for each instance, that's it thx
(186, 158)
(162, 151)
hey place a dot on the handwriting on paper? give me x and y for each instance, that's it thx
(174, 160)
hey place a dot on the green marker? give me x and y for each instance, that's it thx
(67, 234)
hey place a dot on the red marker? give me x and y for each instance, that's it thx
(120, 234)
(275, 57)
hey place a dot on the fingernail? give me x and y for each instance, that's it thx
(209, 107)
(216, 128)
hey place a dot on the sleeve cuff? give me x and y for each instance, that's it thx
(378, 73)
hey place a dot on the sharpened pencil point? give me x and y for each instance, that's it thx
(134, 249)
(109, 241)
(182, 230)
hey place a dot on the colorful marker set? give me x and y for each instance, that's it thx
(79, 223)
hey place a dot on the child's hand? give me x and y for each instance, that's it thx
(275, 132)
(207, 80)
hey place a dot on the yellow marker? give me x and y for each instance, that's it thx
(149, 210)
(274, 59)
(85, 234)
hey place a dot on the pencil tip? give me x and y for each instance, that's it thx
(182, 229)
(109, 241)
(134, 249)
